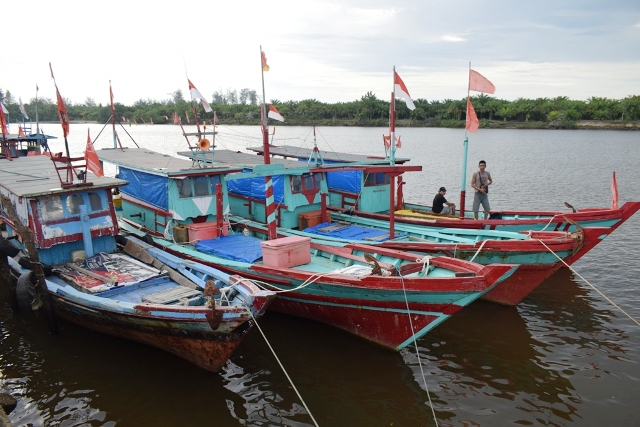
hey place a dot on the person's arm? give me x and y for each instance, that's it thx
(490, 181)
(473, 181)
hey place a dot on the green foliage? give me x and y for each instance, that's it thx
(244, 108)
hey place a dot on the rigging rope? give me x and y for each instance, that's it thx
(415, 344)
(283, 370)
(594, 288)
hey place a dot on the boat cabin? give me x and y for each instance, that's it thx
(67, 223)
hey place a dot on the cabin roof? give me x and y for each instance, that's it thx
(152, 162)
(33, 176)
(328, 156)
(248, 160)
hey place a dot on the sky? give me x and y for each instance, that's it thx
(332, 51)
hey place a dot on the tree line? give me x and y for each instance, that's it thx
(243, 107)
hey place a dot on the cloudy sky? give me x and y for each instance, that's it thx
(333, 51)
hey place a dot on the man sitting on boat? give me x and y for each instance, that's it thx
(440, 204)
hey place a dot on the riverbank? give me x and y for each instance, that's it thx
(454, 124)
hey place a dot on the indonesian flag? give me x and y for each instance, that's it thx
(3, 120)
(22, 110)
(402, 92)
(274, 114)
(614, 192)
(478, 83)
(111, 95)
(21, 132)
(265, 67)
(472, 120)
(215, 118)
(195, 94)
(91, 157)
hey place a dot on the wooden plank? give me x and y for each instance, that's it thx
(170, 295)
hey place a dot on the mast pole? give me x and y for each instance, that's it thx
(113, 117)
(37, 122)
(268, 181)
(465, 153)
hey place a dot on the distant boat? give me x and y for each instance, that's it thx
(114, 283)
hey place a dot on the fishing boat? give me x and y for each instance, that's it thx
(113, 283)
(383, 295)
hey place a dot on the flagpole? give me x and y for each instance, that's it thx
(392, 130)
(113, 116)
(37, 122)
(270, 211)
(465, 152)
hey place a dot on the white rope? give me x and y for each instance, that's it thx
(594, 288)
(415, 344)
(425, 264)
(283, 370)
(549, 223)
(478, 251)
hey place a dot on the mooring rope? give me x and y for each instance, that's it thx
(415, 344)
(594, 288)
(282, 367)
(478, 251)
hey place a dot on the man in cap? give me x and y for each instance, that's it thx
(440, 204)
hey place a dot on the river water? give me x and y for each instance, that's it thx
(564, 356)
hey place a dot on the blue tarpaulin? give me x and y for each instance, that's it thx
(351, 232)
(236, 247)
(345, 181)
(254, 187)
(150, 188)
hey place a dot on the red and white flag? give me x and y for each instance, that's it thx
(387, 141)
(3, 120)
(275, 114)
(91, 157)
(472, 120)
(215, 118)
(402, 92)
(22, 110)
(479, 83)
(614, 192)
(265, 67)
(195, 94)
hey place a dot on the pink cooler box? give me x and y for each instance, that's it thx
(286, 251)
(205, 230)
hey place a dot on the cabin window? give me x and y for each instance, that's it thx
(184, 188)
(95, 202)
(378, 178)
(306, 183)
(51, 208)
(74, 202)
(215, 180)
(201, 186)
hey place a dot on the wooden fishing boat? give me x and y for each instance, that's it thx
(111, 283)
(539, 254)
(383, 295)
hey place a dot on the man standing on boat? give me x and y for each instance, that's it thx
(440, 204)
(480, 182)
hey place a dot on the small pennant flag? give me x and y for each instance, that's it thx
(387, 141)
(472, 120)
(215, 118)
(186, 113)
(614, 192)
(91, 157)
(479, 83)
(195, 94)
(22, 110)
(265, 67)
(21, 132)
(402, 92)
(275, 114)
(3, 120)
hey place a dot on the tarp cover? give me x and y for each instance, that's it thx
(345, 181)
(352, 232)
(254, 187)
(149, 188)
(237, 247)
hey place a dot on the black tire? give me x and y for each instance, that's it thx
(25, 292)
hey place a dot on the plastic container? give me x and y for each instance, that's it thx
(286, 252)
(206, 230)
(309, 219)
